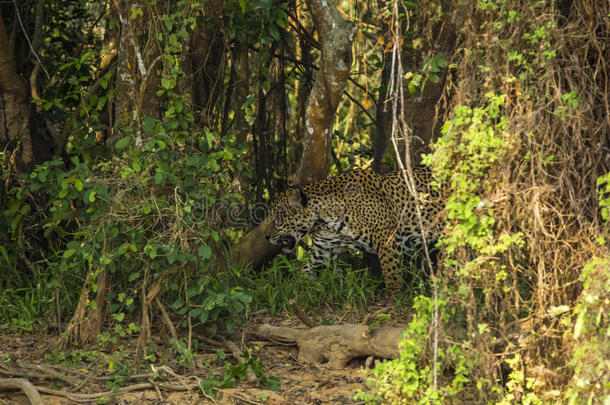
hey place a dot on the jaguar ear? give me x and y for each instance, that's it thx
(297, 198)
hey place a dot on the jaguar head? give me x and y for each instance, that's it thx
(291, 217)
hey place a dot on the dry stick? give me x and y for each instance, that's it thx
(25, 33)
(298, 311)
(135, 387)
(397, 91)
(373, 315)
(167, 320)
(24, 385)
(188, 304)
(47, 372)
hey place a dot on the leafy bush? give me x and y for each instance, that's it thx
(591, 337)
(409, 379)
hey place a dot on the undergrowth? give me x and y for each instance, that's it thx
(337, 285)
(526, 230)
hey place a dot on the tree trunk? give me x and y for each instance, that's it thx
(422, 109)
(383, 107)
(336, 35)
(138, 64)
(86, 323)
(15, 138)
(136, 87)
(208, 55)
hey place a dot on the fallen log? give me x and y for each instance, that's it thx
(335, 345)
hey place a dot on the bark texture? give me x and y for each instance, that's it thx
(15, 137)
(335, 345)
(138, 59)
(336, 36)
(207, 59)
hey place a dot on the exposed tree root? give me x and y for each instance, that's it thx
(180, 383)
(24, 385)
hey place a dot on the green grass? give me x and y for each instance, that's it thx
(27, 296)
(335, 286)
(21, 308)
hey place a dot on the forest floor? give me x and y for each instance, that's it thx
(299, 383)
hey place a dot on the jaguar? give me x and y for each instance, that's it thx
(358, 209)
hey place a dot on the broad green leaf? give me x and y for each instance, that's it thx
(204, 251)
(123, 142)
(148, 125)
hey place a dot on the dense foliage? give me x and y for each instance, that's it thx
(160, 131)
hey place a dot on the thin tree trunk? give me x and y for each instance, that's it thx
(208, 54)
(15, 137)
(137, 83)
(336, 36)
(138, 65)
(382, 116)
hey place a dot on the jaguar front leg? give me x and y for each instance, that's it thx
(389, 259)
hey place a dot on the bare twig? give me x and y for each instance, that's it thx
(298, 311)
(399, 124)
(167, 320)
(27, 38)
(374, 315)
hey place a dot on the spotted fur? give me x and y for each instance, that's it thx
(360, 210)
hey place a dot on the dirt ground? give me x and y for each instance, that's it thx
(300, 383)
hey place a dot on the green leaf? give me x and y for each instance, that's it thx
(230, 325)
(274, 32)
(242, 5)
(412, 88)
(69, 253)
(264, 4)
(204, 251)
(160, 177)
(148, 125)
(172, 257)
(25, 209)
(123, 142)
(146, 209)
(272, 383)
(168, 83)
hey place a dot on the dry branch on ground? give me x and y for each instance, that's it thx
(336, 345)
